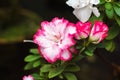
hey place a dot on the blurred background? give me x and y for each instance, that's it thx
(20, 19)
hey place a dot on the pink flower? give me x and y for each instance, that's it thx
(29, 77)
(55, 39)
(83, 30)
(98, 32)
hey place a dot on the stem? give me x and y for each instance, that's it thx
(85, 45)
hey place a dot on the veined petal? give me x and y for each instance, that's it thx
(51, 54)
(66, 55)
(83, 14)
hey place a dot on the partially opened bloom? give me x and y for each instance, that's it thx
(84, 8)
(55, 39)
(29, 77)
(83, 30)
(98, 32)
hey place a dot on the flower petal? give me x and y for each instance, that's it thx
(73, 3)
(42, 41)
(96, 12)
(95, 2)
(51, 54)
(83, 14)
(65, 55)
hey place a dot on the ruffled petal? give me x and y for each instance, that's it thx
(51, 54)
(66, 42)
(43, 41)
(66, 55)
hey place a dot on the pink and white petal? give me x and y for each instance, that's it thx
(51, 54)
(43, 41)
(67, 42)
(70, 29)
(48, 27)
(65, 55)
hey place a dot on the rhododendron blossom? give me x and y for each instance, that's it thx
(29, 77)
(83, 30)
(98, 32)
(84, 8)
(55, 39)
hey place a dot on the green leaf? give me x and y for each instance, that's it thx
(72, 68)
(36, 63)
(36, 76)
(46, 68)
(117, 19)
(77, 58)
(110, 46)
(31, 58)
(88, 53)
(109, 13)
(93, 18)
(117, 3)
(28, 66)
(117, 9)
(108, 6)
(113, 32)
(70, 76)
(34, 51)
(90, 49)
(102, 1)
(56, 71)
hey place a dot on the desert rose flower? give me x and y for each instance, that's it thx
(55, 39)
(29, 77)
(83, 30)
(84, 8)
(98, 32)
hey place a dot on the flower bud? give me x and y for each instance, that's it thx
(98, 32)
(83, 30)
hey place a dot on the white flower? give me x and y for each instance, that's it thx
(84, 8)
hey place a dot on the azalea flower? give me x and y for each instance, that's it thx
(83, 30)
(55, 39)
(98, 32)
(84, 8)
(29, 77)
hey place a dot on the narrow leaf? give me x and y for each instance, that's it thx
(46, 68)
(72, 68)
(70, 76)
(31, 58)
(28, 66)
(34, 51)
(56, 71)
(113, 32)
(36, 63)
(110, 46)
(117, 9)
